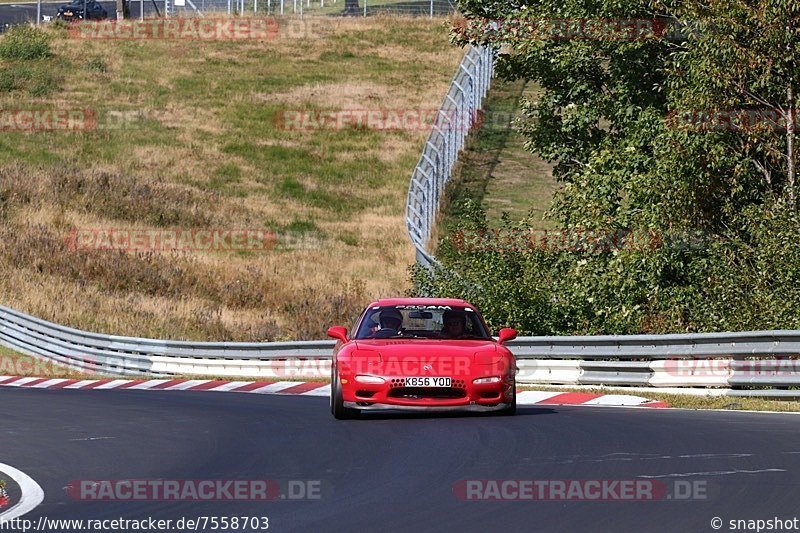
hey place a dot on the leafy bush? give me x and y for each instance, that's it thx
(25, 42)
(747, 278)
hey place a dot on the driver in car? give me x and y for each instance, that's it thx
(391, 321)
(455, 324)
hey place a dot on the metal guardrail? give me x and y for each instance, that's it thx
(769, 360)
(762, 363)
(117, 355)
(458, 113)
(777, 342)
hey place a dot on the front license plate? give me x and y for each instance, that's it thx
(428, 382)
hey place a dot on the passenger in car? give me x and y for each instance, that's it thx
(455, 324)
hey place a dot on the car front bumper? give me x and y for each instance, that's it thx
(464, 394)
(427, 408)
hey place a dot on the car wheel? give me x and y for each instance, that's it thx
(339, 411)
(511, 410)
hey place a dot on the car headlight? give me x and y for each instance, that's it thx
(483, 381)
(372, 380)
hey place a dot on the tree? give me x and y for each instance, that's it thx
(720, 199)
(745, 58)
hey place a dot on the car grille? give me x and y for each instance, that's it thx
(421, 393)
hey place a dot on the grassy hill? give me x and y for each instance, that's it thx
(189, 136)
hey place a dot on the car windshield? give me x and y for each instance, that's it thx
(422, 321)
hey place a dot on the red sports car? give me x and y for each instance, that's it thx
(421, 353)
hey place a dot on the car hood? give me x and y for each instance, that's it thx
(424, 349)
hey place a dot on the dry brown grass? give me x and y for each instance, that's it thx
(345, 95)
(203, 152)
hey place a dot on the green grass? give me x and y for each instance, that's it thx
(496, 170)
(215, 87)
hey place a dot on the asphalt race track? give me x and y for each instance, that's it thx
(397, 473)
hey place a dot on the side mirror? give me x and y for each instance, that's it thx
(507, 334)
(338, 332)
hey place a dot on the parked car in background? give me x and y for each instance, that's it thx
(74, 11)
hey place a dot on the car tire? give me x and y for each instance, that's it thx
(511, 410)
(338, 410)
